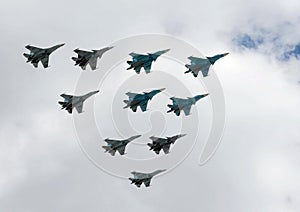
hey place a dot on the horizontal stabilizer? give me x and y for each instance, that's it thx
(75, 59)
(109, 150)
(26, 55)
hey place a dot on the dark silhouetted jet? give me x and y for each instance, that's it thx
(202, 64)
(74, 101)
(139, 178)
(184, 104)
(162, 143)
(144, 61)
(89, 57)
(141, 100)
(39, 54)
(118, 145)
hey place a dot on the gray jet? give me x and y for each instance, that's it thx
(163, 143)
(141, 100)
(184, 104)
(88, 57)
(202, 64)
(75, 101)
(139, 178)
(118, 145)
(144, 61)
(39, 54)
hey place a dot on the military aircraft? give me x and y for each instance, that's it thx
(162, 143)
(89, 57)
(144, 61)
(39, 54)
(71, 101)
(118, 145)
(202, 64)
(184, 104)
(139, 178)
(141, 100)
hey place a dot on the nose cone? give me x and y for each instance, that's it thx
(94, 92)
(200, 96)
(135, 137)
(59, 45)
(162, 89)
(181, 135)
(225, 54)
(165, 51)
(162, 52)
(161, 170)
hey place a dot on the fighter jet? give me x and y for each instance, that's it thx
(118, 145)
(184, 104)
(139, 178)
(202, 64)
(141, 100)
(162, 143)
(39, 54)
(71, 101)
(144, 61)
(89, 57)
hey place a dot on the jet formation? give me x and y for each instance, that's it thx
(118, 145)
(202, 64)
(144, 61)
(89, 57)
(184, 104)
(135, 100)
(162, 143)
(39, 54)
(140, 100)
(71, 101)
(139, 178)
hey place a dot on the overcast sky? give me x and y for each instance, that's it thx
(42, 167)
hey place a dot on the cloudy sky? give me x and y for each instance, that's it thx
(42, 166)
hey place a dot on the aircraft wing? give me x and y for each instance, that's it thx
(93, 62)
(197, 60)
(66, 96)
(133, 108)
(121, 150)
(139, 175)
(148, 68)
(131, 95)
(187, 110)
(205, 70)
(79, 107)
(70, 109)
(147, 182)
(166, 148)
(35, 65)
(143, 105)
(132, 54)
(45, 61)
(154, 139)
(176, 101)
(111, 141)
(81, 53)
(32, 48)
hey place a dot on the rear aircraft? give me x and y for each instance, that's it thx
(202, 64)
(140, 178)
(71, 101)
(90, 58)
(114, 145)
(140, 61)
(37, 54)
